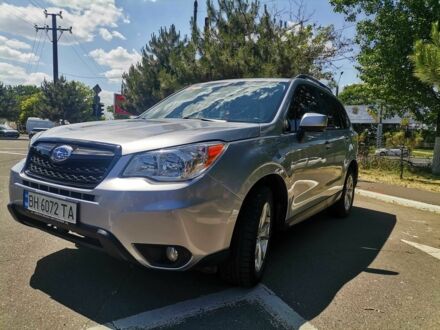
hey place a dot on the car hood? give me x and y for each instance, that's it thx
(135, 135)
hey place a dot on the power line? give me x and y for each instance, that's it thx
(85, 77)
(19, 17)
(96, 64)
(35, 3)
(82, 60)
(36, 51)
(41, 54)
(32, 52)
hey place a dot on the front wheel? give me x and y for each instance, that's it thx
(343, 206)
(250, 242)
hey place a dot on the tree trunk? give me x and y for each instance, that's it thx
(436, 157)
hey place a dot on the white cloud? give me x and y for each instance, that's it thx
(86, 17)
(11, 49)
(14, 75)
(109, 35)
(118, 60)
(11, 54)
(20, 19)
(14, 43)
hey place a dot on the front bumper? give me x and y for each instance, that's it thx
(121, 215)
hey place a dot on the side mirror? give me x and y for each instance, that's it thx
(313, 122)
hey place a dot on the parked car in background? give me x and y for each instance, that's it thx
(36, 130)
(35, 122)
(204, 177)
(8, 133)
(391, 152)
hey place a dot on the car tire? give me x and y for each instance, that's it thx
(251, 240)
(344, 205)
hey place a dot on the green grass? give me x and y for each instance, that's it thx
(423, 153)
(419, 180)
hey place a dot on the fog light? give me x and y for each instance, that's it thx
(172, 254)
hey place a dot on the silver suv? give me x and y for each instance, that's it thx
(205, 177)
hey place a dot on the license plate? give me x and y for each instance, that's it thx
(50, 207)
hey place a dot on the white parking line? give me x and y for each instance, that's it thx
(177, 313)
(12, 153)
(425, 248)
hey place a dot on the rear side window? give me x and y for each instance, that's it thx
(345, 120)
(305, 99)
(330, 107)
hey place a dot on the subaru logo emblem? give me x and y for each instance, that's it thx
(61, 153)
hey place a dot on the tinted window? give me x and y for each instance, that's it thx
(304, 100)
(330, 108)
(237, 101)
(345, 120)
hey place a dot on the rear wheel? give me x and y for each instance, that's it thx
(251, 239)
(343, 206)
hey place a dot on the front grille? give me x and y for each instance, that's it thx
(86, 167)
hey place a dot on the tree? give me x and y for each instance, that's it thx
(426, 60)
(239, 39)
(11, 98)
(29, 107)
(68, 100)
(386, 33)
(357, 94)
(8, 103)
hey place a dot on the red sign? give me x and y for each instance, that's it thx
(119, 103)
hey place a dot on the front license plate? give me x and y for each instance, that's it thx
(50, 207)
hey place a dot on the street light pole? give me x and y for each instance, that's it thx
(337, 84)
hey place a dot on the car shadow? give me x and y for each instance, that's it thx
(307, 267)
(312, 261)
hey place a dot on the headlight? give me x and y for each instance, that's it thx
(34, 138)
(175, 164)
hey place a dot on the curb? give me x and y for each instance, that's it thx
(399, 201)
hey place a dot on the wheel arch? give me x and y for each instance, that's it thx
(278, 187)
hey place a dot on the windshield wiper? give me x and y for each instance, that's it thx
(205, 119)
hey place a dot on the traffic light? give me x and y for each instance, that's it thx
(98, 109)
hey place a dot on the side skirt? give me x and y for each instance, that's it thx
(313, 209)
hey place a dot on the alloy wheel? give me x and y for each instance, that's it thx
(263, 234)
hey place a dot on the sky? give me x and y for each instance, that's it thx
(107, 37)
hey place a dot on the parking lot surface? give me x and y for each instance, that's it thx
(379, 268)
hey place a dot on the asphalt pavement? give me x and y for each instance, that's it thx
(378, 268)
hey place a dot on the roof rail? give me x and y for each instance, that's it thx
(307, 77)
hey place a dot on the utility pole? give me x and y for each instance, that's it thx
(337, 84)
(55, 38)
(379, 130)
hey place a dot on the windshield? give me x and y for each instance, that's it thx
(237, 101)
